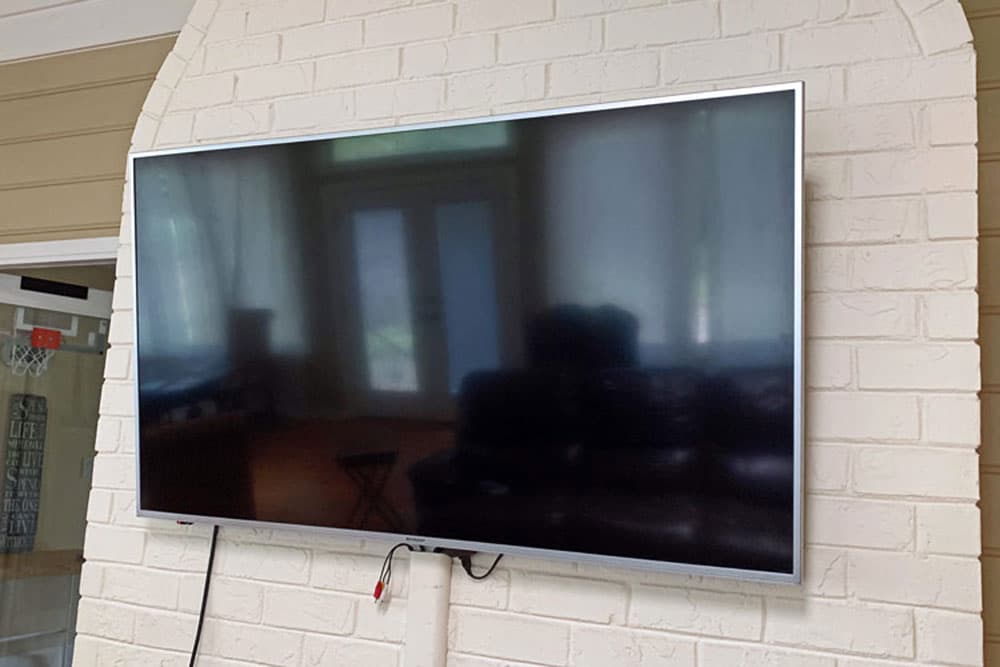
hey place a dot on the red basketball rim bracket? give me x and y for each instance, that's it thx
(48, 339)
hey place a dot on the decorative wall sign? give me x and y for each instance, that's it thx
(22, 483)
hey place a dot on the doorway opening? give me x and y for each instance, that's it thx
(54, 325)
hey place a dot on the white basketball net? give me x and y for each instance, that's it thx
(26, 359)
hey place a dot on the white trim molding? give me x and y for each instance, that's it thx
(96, 304)
(32, 28)
(101, 250)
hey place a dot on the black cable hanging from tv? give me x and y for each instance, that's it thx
(204, 596)
(466, 562)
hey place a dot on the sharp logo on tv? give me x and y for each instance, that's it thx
(572, 333)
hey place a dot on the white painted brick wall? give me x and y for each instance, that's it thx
(242, 54)
(308, 610)
(916, 471)
(321, 40)
(740, 56)
(274, 81)
(871, 524)
(228, 122)
(830, 366)
(412, 25)
(550, 40)
(952, 315)
(851, 627)
(454, 55)
(592, 646)
(952, 215)
(388, 100)
(252, 643)
(357, 68)
(729, 655)
(743, 16)
(483, 15)
(952, 420)
(496, 87)
(892, 529)
(310, 112)
(883, 39)
(935, 581)
(863, 220)
(828, 467)
(865, 129)
(579, 599)
(884, 315)
(236, 600)
(687, 22)
(726, 615)
(274, 16)
(321, 651)
(626, 71)
(509, 636)
(266, 563)
(947, 637)
(920, 366)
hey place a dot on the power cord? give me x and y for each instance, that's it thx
(465, 558)
(467, 566)
(204, 595)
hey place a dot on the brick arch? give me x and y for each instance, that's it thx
(938, 27)
(892, 274)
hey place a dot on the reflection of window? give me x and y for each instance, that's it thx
(701, 316)
(468, 288)
(383, 275)
(481, 137)
(216, 234)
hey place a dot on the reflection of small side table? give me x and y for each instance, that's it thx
(370, 472)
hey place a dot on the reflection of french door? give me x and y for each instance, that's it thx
(432, 295)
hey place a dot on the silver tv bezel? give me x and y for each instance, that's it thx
(793, 577)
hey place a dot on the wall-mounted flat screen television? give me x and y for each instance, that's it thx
(571, 333)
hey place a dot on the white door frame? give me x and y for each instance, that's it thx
(45, 254)
(101, 250)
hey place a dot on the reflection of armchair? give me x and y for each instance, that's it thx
(515, 427)
(571, 337)
(643, 429)
(751, 431)
(586, 447)
(752, 470)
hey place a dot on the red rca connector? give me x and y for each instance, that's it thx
(379, 589)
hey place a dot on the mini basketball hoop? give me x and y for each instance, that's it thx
(32, 358)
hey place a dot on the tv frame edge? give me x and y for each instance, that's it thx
(669, 567)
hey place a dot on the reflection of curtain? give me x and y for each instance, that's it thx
(681, 215)
(216, 234)
(752, 269)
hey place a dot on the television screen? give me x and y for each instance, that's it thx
(571, 333)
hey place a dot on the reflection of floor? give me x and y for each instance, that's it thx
(40, 564)
(298, 474)
(38, 592)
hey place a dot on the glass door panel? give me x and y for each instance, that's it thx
(468, 290)
(383, 272)
(48, 423)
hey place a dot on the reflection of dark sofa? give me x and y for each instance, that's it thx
(586, 451)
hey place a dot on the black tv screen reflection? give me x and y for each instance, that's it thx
(574, 333)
